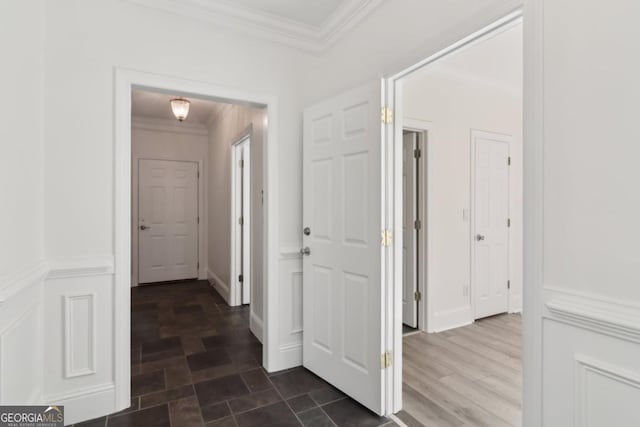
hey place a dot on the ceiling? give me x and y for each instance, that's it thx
(154, 105)
(308, 12)
(309, 25)
(497, 61)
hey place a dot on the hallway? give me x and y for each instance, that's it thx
(194, 362)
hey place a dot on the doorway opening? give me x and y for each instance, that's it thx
(459, 293)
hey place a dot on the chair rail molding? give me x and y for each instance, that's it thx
(594, 312)
(80, 267)
(14, 283)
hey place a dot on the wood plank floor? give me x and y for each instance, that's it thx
(469, 376)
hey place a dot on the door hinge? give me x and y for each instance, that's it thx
(508, 284)
(417, 296)
(198, 266)
(417, 153)
(417, 224)
(386, 238)
(240, 278)
(385, 360)
(241, 221)
(509, 161)
(198, 220)
(508, 222)
(198, 174)
(241, 163)
(387, 115)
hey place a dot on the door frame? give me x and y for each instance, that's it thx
(508, 139)
(531, 15)
(125, 80)
(240, 249)
(135, 209)
(423, 128)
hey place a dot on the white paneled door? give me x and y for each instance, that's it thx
(167, 220)
(410, 234)
(342, 296)
(490, 239)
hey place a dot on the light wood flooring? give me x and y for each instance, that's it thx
(469, 376)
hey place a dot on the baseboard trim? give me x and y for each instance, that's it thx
(256, 326)
(594, 312)
(81, 267)
(219, 285)
(451, 319)
(85, 404)
(14, 283)
(290, 357)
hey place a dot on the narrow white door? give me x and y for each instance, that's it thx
(342, 286)
(167, 220)
(490, 262)
(410, 236)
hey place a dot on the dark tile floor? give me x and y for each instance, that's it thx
(194, 362)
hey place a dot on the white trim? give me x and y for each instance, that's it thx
(392, 165)
(81, 267)
(507, 139)
(219, 285)
(585, 365)
(168, 126)
(69, 338)
(597, 313)
(266, 26)
(125, 81)
(451, 319)
(81, 404)
(255, 325)
(12, 284)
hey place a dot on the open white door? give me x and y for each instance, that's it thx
(241, 226)
(410, 234)
(342, 297)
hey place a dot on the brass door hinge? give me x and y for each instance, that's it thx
(417, 296)
(417, 153)
(385, 360)
(417, 224)
(386, 238)
(387, 115)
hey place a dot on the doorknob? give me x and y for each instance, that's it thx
(144, 227)
(305, 251)
(479, 237)
(306, 231)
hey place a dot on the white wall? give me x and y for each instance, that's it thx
(456, 104)
(169, 140)
(232, 123)
(22, 265)
(591, 326)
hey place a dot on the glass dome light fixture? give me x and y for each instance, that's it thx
(180, 108)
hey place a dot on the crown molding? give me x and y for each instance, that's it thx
(311, 39)
(173, 126)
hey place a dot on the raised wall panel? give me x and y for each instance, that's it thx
(79, 335)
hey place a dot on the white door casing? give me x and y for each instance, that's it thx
(490, 223)
(167, 220)
(241, 220)
(342, 298)
(410, 235)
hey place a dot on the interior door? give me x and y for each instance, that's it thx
(245, 224)
(167, 220)
(490, 265)
(342, 297)
(410, 235)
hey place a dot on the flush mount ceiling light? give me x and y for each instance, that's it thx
(180, 108)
